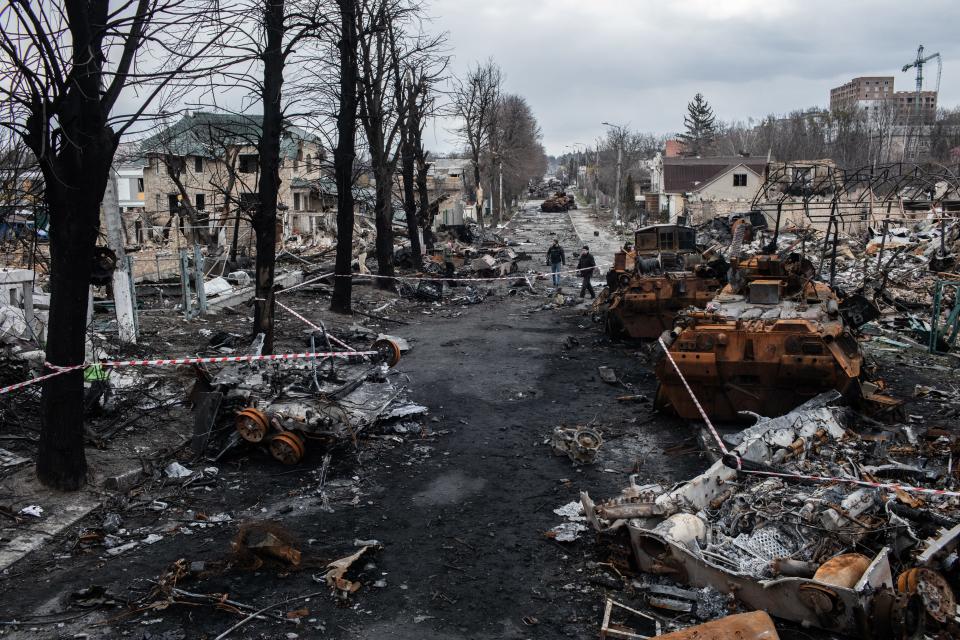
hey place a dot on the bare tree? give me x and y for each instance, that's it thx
(636, 147)
(515, 149)
(474, 99)
(390, 38)
(418, 82)
(271, 41)
(345, 153)
(64, 65)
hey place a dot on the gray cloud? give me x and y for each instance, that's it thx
(640, 61)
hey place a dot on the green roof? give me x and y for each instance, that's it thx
(206, 134)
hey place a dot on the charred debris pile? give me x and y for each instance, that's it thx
(837, 508)
(804, 518)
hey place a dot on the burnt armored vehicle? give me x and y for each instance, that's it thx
(558, 203)
(663, 274)
(770, 340)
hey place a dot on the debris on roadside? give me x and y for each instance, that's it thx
(259, 543)
(772, 523)
(336, 576)
(580, 444)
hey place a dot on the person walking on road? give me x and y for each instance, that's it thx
(585, 267)
(556, 258)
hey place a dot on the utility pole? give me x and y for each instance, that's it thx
(596, 182)
(501, 190)
(616, 198)
(616, 202)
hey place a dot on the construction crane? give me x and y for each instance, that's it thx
(918, 63)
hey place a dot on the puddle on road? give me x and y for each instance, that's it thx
(449, 488)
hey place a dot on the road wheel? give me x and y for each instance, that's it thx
(287, 447)
(389, 351)
(252, 424)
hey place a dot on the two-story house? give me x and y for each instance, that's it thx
(702, 188)
(449, 182)
(202, 175)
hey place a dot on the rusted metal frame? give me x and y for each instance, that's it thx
(606, 631)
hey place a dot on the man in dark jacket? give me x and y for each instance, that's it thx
(586, 266)
(556, 258)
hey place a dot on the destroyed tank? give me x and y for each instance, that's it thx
(663, 275)
(771, 339)
(558, 203)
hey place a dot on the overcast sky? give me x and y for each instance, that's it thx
(639, 62)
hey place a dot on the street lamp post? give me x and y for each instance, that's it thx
(596, 181)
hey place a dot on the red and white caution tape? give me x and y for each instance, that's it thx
(26, 383)
(159, 362)
(248, 358)
(515, 276)
(313, 326)
(304, 283)
(703, 413)
(891, 486)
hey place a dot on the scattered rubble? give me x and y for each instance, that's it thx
(580, 444)
(773, 521)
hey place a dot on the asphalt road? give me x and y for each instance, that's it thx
(460, 509)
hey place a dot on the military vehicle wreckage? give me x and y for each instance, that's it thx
(309, 401)
(771, 339)
(664, 274)
(772, 524)
(558, 203)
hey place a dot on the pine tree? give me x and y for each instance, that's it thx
(701, 126)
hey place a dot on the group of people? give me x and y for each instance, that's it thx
(556, 259)
(586, 266)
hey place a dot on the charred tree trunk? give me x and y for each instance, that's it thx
(265, 221)
(409, 194)
(476, 182)
(75, 185)
(422, 193)
(384, 223)
(343, 157)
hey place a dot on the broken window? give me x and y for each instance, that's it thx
(176, 164)
(173, 202)
(296, 202)
(201, 202)
(739, 179)
(198, 164)
(248, 201)
(139, 185)
(249, 163)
